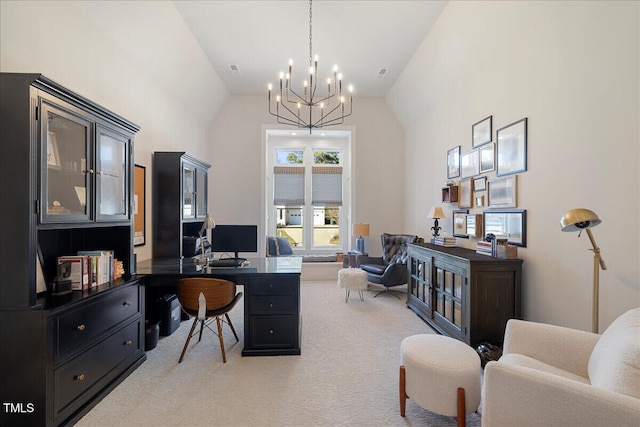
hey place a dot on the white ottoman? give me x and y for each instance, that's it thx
(441, 374)
(352, 279)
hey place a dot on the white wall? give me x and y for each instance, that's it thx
(572, 69)
(235, 191)
(137, 59)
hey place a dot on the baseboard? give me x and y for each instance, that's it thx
(316, 271)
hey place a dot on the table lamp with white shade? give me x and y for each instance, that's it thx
(436, 213)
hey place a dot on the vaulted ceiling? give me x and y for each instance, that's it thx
(258, 38)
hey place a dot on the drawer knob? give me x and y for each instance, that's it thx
(270, 305)
(271, 331)
(128, 342)
(127, 303)
(79, 377)
(80, 327)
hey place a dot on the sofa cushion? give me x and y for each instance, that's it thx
(516, 359)
(277, 246)
(614, 364)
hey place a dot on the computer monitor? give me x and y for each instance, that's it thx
(234, 238)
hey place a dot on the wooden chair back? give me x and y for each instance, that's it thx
(218, 292)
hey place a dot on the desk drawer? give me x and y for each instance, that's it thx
(272, 331)
(72, 379)
(273, 286)
(273, 304)
(77, 327)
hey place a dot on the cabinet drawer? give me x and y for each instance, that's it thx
(273, 286)
(272, 304)
(72, 379)
(272, 331)
(77, 327)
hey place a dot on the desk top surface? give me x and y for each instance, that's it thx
(269, 265)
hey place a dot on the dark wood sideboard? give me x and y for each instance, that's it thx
(463, 294)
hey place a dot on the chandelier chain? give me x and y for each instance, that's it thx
(310, 33)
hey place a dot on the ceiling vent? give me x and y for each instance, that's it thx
(381, 73)
(234, 68)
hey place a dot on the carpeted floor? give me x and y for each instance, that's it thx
(347, 374)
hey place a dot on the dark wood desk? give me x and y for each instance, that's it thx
(271, 297)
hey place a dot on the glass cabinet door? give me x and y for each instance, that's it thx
(201, 194)
(111, 176)
(449, 293)
(66, 166)
(188, 191)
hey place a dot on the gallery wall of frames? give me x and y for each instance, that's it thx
(482, 182)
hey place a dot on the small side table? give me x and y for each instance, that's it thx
(350, 260)
(352, 278)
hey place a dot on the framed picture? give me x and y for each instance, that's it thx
(503, 192)
(139, 185)
(481, 132)
(470, 164)
(487, 158)
(510, 224)
(480, 184)
(474, 225)
(465, 194)
(453, 162)
(479, 201)
(460, 223)
(511, 149)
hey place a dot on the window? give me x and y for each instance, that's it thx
(307, 195)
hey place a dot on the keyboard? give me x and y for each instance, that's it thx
(227, 262)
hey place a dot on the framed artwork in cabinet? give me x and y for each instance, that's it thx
(139, 185)
(512, 148)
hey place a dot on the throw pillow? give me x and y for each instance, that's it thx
(614, 364)
(284, 247)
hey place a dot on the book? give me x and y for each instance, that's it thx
(79, 271)
(446, 241)
(103, 259)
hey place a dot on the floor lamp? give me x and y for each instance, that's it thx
(584, 219)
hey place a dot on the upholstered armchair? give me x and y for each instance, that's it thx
(554, 376)
(390, 269)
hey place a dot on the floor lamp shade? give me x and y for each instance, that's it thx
(583, 219)
(360, 230)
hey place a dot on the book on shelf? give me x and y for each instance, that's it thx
(101, 265)
(79, 274)
(484, 248)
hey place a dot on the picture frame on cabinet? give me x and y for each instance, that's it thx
(139, 185)
(481, 132)
(487, 158)
(460, 223)
(453, 162)
(465, 193)
(507, 223)
(511, 148)
(470, 164)
(503, 192)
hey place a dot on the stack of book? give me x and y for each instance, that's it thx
(447, 241)
(484, 248)
(89, 269)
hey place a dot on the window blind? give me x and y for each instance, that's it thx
(288, 186)
(326, 186)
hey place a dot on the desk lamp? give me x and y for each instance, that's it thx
(360, 230)
(584, 219)
(436, 213)
(208, 224)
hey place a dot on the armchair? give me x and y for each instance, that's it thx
(390, 269)
(554, 376)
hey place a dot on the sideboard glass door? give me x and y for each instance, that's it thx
(111, 176)
(188, 192)
(66, 166)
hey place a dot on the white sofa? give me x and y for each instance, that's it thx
(554, 376)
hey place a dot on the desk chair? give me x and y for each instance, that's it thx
(206, 299)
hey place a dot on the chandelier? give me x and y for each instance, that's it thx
(312, 106)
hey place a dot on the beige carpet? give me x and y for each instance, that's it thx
(347, 374)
